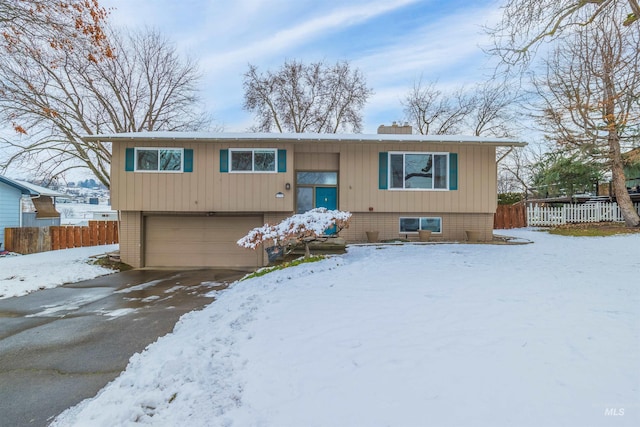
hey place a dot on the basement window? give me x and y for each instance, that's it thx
(414, 224)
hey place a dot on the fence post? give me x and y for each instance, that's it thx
(77, 238)
(86, 236)
(93, 231)
(109, 232)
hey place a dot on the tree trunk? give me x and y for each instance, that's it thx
(307, 252)
(629, 213)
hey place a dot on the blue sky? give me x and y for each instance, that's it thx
(393, 42)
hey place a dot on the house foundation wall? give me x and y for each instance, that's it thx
(454, 226)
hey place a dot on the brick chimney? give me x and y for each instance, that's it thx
(395, 129)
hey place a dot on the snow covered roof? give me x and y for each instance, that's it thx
(18, 185)
(31, 189)
(301, 137)
(42, 191)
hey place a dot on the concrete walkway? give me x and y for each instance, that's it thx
(59, 346)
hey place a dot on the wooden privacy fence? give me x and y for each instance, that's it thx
(509, 216)
(29, 240)
(572, 213)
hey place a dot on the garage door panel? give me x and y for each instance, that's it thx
(199, 242)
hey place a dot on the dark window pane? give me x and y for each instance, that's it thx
(170, 160)
(397, 170)
(147, 160)
(440, 171)
(433, 224)
(409, 225)
(317, 178)
(265, 161)
(304, 199)
(241, 160)
(418, 171)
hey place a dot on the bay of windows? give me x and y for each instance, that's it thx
(423, 171)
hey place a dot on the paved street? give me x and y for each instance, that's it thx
(60, 346)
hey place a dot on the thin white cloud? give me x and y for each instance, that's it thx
(440, 49)
(284, 40)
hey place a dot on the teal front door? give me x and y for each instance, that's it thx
(327, 197)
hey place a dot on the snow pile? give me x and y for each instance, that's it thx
(22, 274)
(443, 335)
(299, 226)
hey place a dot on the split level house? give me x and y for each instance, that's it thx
(184, 199)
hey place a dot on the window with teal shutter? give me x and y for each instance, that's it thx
(453, 171)
(417, 171)
(282, 160)
(130, 158)
(224, 160)
(188, 160)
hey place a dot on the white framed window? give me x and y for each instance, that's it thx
(410, 225)
(253, 160)
(159, 159)
(418, 171)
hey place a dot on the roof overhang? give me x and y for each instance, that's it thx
(19, 186)
(42, 191)
(302, 138)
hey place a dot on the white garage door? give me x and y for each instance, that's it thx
(187, 241)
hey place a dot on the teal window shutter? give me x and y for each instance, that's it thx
(224, 160)
(188, 160)
(282, 160)
(383, 170)
(453, 171)
(129, 159)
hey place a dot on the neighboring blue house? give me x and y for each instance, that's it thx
(11, 213)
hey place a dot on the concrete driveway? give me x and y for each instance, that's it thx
(59, 346)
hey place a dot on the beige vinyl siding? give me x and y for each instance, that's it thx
(206, 189)
(130, 234)
(359, 181)
(387, 225)
(317, 161)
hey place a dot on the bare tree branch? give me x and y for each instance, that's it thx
(306, 98)
(484, 110)
(52, 100)
(526, 23)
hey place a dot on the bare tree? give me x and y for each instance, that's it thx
(55, 26)
(590, 96)
(483, 110)
(306, 98)
(514, 174)
(526, 23)
(431, 112)
(144, 86)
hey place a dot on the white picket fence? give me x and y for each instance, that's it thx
(572, 213)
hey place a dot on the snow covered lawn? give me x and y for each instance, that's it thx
(546, 334)
(22, 274)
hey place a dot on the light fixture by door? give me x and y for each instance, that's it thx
(279, 195)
